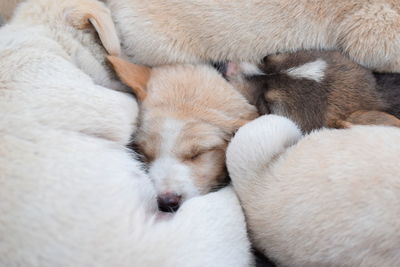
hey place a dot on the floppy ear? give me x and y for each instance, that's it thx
(135, 76)
(371, 117)
(87, 13)
(228, 124)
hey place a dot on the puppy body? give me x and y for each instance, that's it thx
(315, 89)
(188, 114)
(157, 32)
(328, 199)
(71, 194)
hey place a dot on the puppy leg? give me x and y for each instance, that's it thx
(371, 36)
(371, 117)
(255, 145)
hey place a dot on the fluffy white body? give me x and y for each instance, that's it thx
(71, 194)
(156, 31)
(331, 198)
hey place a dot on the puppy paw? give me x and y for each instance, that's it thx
(256, 143)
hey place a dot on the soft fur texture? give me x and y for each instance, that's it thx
(388, 84)
(331, 198)
(188, 115)
(71, 194)
(156, 31)
(317, 89)
(7, 8)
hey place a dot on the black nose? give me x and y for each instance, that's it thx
(169, 202)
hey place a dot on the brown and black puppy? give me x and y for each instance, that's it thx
(316, 89)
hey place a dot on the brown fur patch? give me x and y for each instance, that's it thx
(345, 88)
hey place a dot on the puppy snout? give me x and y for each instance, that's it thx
(169, 202)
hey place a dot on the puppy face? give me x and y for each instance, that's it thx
(186, 156)
(188, 115)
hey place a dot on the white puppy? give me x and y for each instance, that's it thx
(71, 194)
(158, 31)
(329, 199)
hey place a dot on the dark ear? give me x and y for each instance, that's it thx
(135, 76)
(371, 117)
(92, 13)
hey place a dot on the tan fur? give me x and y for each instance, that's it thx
(208, 108)
(365, 117)
(7, 8)
(82, 15)
(100, 19)
(158, 32)
(133, 75)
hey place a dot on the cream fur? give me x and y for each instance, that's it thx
(156, 32)
(71, 194)
(7, 8)
(332, 199)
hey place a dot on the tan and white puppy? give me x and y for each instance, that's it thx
(331, 198)
(188, 115)
(71, 193)
(156, 31)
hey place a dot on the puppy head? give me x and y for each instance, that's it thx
(250, 80)
(188, 115)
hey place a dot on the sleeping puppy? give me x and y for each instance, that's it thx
(188, 115)
(330, 198)
(157, 32)
(314, 89)
(71, 193)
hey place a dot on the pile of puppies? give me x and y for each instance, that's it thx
(72, 194)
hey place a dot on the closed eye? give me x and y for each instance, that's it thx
(198, 153)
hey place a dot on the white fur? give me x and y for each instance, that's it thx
(312, 70)
(332, 199)
(167, 172)
(250, 69)
(71, 194)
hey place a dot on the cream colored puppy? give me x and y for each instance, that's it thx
(71, 194)
(157, 31)
(188, 115)
(331, 198)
